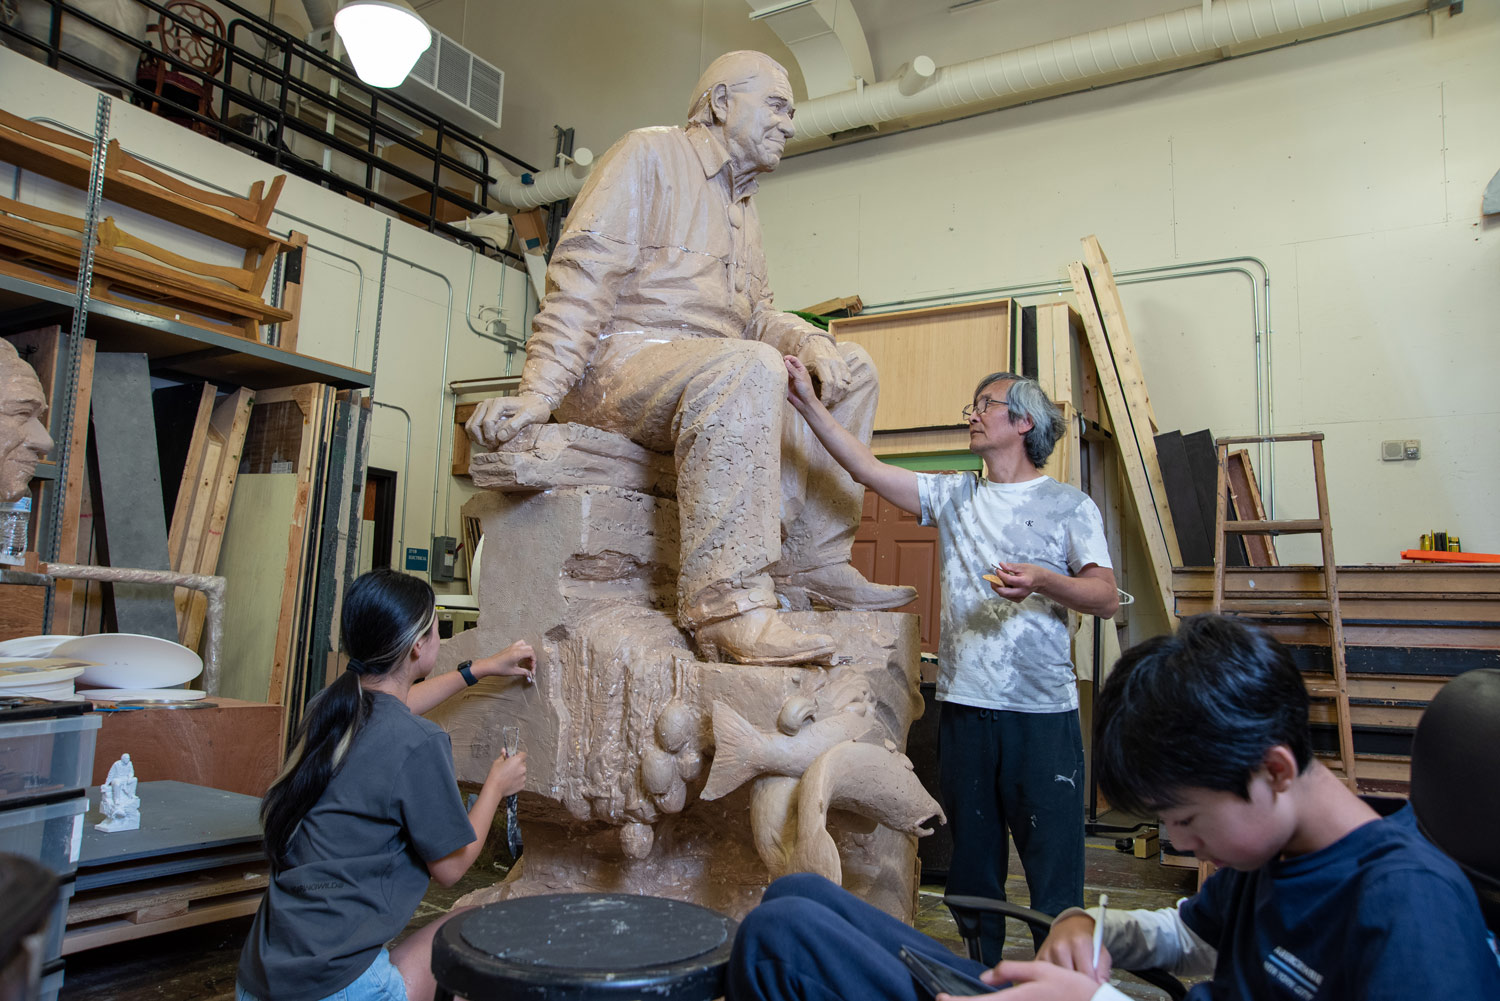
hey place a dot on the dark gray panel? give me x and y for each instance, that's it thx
(129, 510)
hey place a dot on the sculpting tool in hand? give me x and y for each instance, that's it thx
(1099, 927)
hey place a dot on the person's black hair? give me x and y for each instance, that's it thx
(1196, 710)
(385, 612)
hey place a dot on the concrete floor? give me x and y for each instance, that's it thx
(198, 964)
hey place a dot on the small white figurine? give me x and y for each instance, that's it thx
(117, 799)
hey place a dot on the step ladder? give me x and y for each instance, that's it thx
(1325, 609)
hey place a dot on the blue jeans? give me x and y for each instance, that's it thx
(810, 940)
(381, 981)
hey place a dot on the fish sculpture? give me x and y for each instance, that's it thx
(742, 752)
(871, 780)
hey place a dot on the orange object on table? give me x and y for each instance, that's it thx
(1437, 556)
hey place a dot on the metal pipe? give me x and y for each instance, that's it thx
(211, 586)
(1133, 50)
(405, 475)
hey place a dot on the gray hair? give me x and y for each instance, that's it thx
(1025, 399)
(736, 71)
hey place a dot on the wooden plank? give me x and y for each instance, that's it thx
(919, 442)
(1112, 313)
(931, 359)
(231, 420)
(64, 591)
(1132, 442)
(1244, 492)
(112, 237)
(1435, 584)
(92, 905)
(121, 930)
(253, 560)
(192, 481)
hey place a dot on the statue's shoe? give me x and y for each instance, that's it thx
(841, 587)
(760, 636)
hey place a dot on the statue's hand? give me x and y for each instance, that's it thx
(498, 420)
(829, 370)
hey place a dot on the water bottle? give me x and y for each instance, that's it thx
(14, 517)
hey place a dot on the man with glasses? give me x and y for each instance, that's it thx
(1018, 550)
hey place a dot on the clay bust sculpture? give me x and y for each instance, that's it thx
(658, 324)
(23, 437)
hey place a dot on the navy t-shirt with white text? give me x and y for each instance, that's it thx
(1379, 914)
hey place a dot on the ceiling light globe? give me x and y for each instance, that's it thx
(384, 39)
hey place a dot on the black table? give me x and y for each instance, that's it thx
(584, 947)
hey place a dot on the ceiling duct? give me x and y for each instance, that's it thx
(1203, 33)
(826, 38)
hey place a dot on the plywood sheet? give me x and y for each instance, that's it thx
(253, 560)
(929, 360)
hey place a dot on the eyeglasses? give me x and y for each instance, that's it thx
(982, 406)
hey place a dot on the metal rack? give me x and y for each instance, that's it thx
(181, 350)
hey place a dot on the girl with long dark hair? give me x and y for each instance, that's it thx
(367, 809)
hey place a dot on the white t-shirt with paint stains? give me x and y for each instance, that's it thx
(995, 653)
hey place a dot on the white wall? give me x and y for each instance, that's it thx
(1353, 167)
(342, 285)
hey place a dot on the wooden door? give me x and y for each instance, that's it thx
(891, 547)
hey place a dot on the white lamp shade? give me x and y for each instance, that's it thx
(384, 39)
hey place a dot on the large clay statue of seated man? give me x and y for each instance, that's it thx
(658, 324)
(23, 436)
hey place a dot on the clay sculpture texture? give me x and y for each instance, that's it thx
(23, 437)
(658, 325)
(719, 698)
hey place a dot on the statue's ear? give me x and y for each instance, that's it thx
(718, 100)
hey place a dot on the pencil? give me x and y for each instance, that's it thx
(1099, 927)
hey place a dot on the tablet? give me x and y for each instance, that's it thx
(936, 978)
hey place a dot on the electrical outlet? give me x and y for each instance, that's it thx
(1393, 451)
(1413, 448)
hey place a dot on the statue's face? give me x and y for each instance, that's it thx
(758, 122)
(23, 438)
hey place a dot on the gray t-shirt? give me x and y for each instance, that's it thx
(995, 653)
(356, 867)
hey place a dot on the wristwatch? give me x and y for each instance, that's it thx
(468, 675)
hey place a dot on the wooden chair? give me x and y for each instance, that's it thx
(192, 55)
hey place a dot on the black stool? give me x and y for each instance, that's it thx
(584, 947)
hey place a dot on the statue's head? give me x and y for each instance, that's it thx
(746, 98)
(23, 437)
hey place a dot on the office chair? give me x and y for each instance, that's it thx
(1454, 758)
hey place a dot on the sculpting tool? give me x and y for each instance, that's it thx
(1099, 927)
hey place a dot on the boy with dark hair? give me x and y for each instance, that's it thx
(1318, 897)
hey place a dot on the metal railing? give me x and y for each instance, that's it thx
(260, 114)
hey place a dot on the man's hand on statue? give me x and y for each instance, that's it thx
(516, 660)
(828, 367)
(498, 420)
(799, 387)
(1016, 581)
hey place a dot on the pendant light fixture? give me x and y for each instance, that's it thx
(384, 39)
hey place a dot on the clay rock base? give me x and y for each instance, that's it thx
(618, 727)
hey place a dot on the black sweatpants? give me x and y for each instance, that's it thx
(1001, 770)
